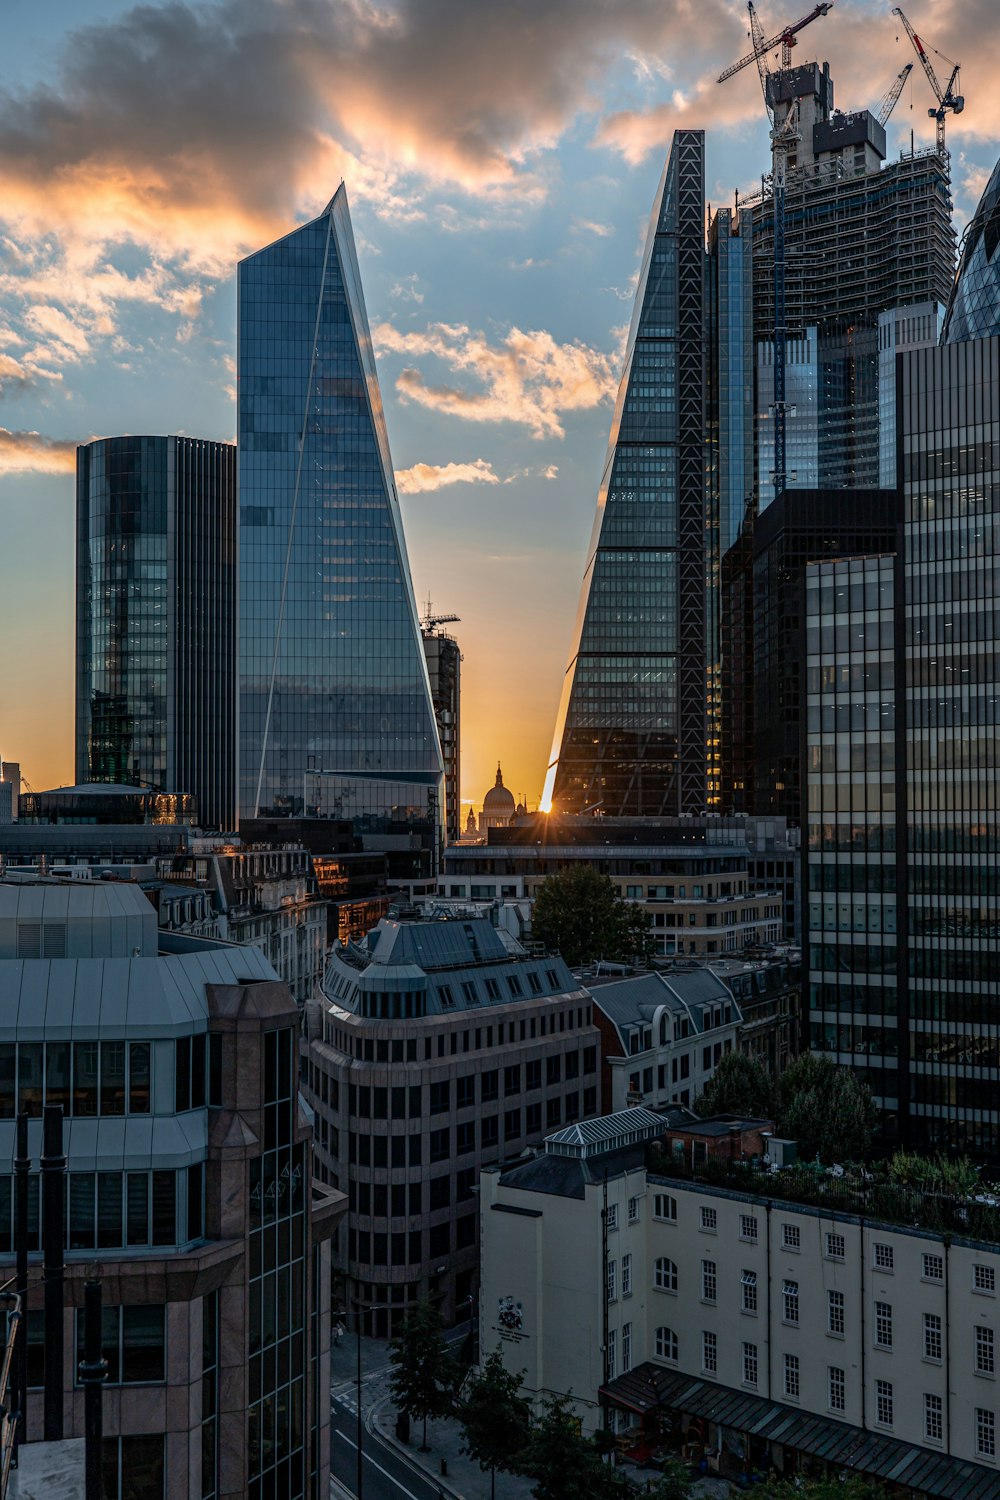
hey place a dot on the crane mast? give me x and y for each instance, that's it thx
(891, 99)
(947, 98)
(783, 137)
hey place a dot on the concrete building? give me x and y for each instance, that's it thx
(444, 671)
(10, 790)
(759, 1332)
(436, 1047)
(190, 1191)
(662, 1035)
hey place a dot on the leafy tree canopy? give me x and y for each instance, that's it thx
(423, 1375)
(827, 1109)
(740, 1085)
(579, 912)
(496, 1419)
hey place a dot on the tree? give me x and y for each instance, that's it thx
(579, 912)
(496, 1420)
(567, 1466)
(423, 1375)
(674, 1482)
(836, 1488)
(740, 1085)
(826, 1109)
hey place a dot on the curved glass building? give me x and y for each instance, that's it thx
(974, 308)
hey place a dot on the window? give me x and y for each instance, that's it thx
(133, 1466)
(553, 1070)
(749, 1364)
(612, 1216)
(790, 1301)
(986, 1433)
(883, 1325)
(132, 1341)
(440, 1145)
(835, 1313)
(465, 1137)
(708, 1281)
(512, 1079)
(709, 1352)
(883, 1403)
(933, 1418)
(985, 1364)
(665, 1275)
(465, 1091)
(748, 1228)
(666, 1344)
(533, 1074)
(612, 1354)
(441, 1097)
(748, 1281)
(835, 1247)
(791, 1237)
(612, 1280)
(837, 1390)
(791, 1372)
(665, 1207)
(933, 1268)
(932, 1337)
(984, 1279)
(633, 1210)
(626, 1275)
(709, 1220)
(626, 1347)
(882, 1257)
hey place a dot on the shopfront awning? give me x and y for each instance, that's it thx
(650, 1387)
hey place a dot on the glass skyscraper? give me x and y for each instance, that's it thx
(903, 768)
(156, 613)
(630, 737)
(336, 719)
(974, 309)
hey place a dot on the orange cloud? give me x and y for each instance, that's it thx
(31, 453)
(529, 378)
(421, 478)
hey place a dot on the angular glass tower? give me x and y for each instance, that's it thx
(630, 734)
(336, 719)
(974, 309)
(156, 613)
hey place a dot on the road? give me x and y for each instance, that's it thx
(386, 1476)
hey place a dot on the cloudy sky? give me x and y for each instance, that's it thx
(500, 159)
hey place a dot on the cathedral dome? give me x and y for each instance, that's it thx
(974, 307)
(498, 802)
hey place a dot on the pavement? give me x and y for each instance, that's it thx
(392, 1470)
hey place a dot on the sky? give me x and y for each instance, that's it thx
(500, 158)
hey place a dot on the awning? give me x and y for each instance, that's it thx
(650, 1386)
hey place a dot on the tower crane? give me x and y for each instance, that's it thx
(891, 99)
(948, 97)
(784, 135)
(430, 621)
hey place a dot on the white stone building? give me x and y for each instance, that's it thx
(781, 1334)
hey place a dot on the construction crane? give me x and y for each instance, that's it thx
(430, 621)
(891, 99)
(948, 97)
(784, 137)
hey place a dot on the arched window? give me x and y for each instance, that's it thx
(666, 1344)
(665, 1275)
(664, 1034)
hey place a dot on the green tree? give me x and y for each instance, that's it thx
(496, 1420)
(423, 1375)
(564, 1464)
(835, 1488)
(740, 1085)
(827, 1109)
(579, 912)
(674, 1482)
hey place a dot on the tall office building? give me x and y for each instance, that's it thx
(444, 668)
(336, 719)
(903, 846)
(860, 237)
(973, 308)
(155, 618)
(630, 733)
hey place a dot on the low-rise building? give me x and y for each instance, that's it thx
(662, 1035)
(687, 1300)
(437, 1046)
(190, 1191)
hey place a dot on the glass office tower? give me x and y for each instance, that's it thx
(974, 311)
(336, 719)
(156, 619)
(630, 734)
(903, 768)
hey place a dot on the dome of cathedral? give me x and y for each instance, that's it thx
(498, 801)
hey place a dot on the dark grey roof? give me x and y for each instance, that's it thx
(606, 1133)
(438, 945)
(628, 1002)
(569, 1176)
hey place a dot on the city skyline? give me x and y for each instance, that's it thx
(498, 256)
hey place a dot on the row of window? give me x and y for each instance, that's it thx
(378, 1249)
(461, 1140)
(133, 1342)
(105, 1077)
(474, 1039)
(115, 1210)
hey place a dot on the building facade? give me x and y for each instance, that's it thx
(436, 1047)
(155, 619)
(444, 669)
(336, 718)
(630, 732)
(902, 841)
(767, 1334)
(972, 308)
(190, 1192)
